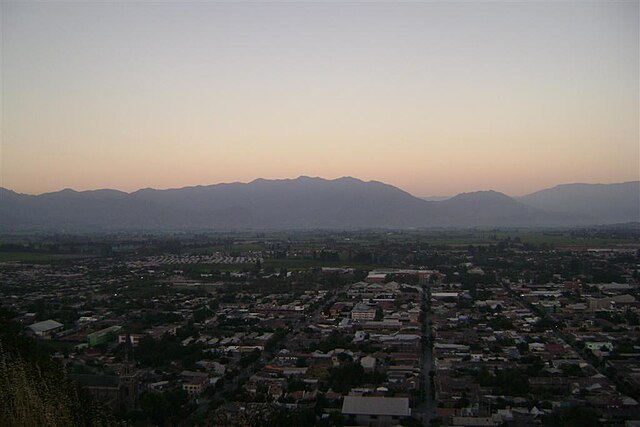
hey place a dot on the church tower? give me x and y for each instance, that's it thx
(128, 380)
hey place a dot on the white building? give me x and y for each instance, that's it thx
(45, 329)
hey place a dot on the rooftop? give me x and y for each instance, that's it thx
(365, 405)
(45, 326)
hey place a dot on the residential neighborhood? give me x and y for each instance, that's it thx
(401, 333)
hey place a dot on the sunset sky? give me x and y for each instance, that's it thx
(435, 98)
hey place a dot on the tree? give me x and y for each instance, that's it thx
(33, 388)
(522, 347)
(249, 358)
(345, 377)
(574, 417)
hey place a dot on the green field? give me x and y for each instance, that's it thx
(308, 263)
(556, 238)
(578, 237)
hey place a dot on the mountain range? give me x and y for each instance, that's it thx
(307, 203)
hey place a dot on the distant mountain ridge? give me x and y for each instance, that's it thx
(607, 203)
(306, 202)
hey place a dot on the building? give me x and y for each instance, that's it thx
(368, 363)
(363, 312)
(443, 295)
(374, 277)
(104, 388)
(598, 345)
(596, 304)
(375, 411)
(195, 386)
(102, 336)
(113, 391)
(128, 383)
(194, 383)
(158, 331)
(134, 339)
(613, 286)
(45, 329)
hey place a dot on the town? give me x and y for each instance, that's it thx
(373, 328)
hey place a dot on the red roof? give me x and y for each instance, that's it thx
(554, 348)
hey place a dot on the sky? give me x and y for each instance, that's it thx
(436, 98)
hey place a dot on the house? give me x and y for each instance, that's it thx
(375, 411)
(45, 329)
(476, 421)
(374, 277)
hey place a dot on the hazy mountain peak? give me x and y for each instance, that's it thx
(309, 202)
(63, 192)
(350, 179)
(587, 187)
(483, 195)
(605, 203)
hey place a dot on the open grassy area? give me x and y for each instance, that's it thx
(308, 263)
(578, 237)
(208, 268)
(484, 237)
(238, 247)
